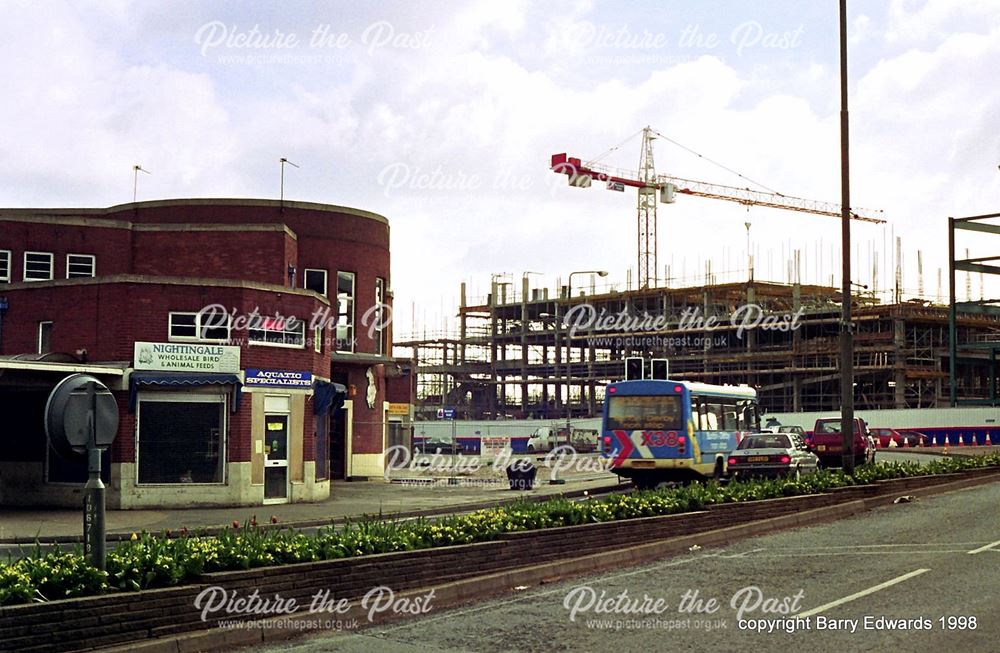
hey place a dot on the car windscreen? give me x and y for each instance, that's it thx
(649, 413)
(765, 442)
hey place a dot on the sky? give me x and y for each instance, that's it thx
(442, 116)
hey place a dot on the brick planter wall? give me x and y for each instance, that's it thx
(80, 624)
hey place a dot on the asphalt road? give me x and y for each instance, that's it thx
(930, 560)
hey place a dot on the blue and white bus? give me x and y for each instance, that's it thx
(666, 431)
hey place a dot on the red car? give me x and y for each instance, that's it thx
(886, 438)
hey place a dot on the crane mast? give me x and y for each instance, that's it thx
(647, 212)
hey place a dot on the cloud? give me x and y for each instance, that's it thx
(465, 123)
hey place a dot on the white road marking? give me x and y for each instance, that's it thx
(823, 554)
(984, 548)
(858, 595)
(494, 604)
(863, 546)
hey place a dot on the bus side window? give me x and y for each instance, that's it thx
(714, 415)
(729, 416)
(747, 416)
(703, 417)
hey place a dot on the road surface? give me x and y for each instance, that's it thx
(917, 577)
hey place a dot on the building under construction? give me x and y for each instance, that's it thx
(531, 355)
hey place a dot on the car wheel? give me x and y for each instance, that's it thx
(531, 448)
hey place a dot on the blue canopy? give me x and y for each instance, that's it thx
(181, 379)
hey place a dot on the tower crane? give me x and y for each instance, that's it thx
(649, 184)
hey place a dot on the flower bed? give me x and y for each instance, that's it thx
(151, 561)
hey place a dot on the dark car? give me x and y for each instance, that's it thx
(438, 446)
(915, 439)
(772, 454)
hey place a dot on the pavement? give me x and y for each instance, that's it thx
(411, 493)
(423, 496)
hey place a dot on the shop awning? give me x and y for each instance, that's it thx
(328, 397)
(170, 379)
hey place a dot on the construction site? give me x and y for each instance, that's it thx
(514, 358)
(524, 352)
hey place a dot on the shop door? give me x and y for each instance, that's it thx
(338, 445)
(275, 458)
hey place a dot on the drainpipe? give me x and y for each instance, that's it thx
(3, 309)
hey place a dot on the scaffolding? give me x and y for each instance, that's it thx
(531, 355)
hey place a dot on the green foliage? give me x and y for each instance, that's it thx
(149, 560)
(46, 575)
(15, 585)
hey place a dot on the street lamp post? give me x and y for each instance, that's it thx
(846, 324)
(569, 299)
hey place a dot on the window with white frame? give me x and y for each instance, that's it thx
(378, 332)
(199, 327)
(314, 279)
(4, 265)
(277, 331)
(37, 266)
(345, 311)
(44, 337)
(80, 265)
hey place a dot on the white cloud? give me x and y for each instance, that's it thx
(497, 89)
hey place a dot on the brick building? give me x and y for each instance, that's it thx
(225, 328)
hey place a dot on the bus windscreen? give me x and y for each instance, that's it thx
(647, 413)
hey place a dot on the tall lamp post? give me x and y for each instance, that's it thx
(569, 299)
(846, 324)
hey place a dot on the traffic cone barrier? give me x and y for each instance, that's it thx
(988, 443)
(961, 440)
(906, 442)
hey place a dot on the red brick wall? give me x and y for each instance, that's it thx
(261, 256)
(111, 246)
(107, 318)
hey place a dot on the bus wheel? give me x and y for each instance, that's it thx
(644, 483)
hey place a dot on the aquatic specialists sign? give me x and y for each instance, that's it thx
(277, 379)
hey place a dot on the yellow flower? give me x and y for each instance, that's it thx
(134, 537)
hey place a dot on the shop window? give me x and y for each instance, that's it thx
(277, 331)
(181, 439)
(37, 266)
(345, 311)
(80, 266)
(4, 265)
(313, 279)
(44, 337)
(199, 327)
